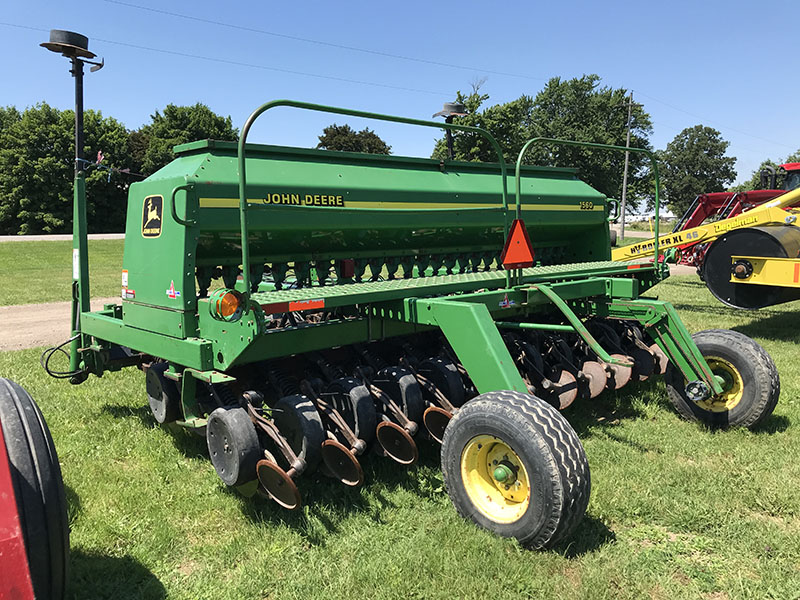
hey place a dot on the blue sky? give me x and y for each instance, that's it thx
(728, 65)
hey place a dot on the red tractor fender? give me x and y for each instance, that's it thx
(16, 581)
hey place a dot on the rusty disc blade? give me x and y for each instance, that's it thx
(436, 420)
(661, 359)
(397, 443)
(566, 389)
(622, 375)
(278, 484)
(597, 376)
(341, 462)
(644, 364)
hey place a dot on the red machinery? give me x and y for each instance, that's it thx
(723, 205)
(34, 532)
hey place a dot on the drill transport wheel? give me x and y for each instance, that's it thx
(749, 379)
(513, 465)
(233, 445)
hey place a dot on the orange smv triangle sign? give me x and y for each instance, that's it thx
(517, 253)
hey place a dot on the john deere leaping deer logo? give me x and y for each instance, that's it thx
(152, 212)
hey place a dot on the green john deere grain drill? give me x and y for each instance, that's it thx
(304, 308)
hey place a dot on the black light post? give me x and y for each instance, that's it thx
(75, 47)
(450, 110)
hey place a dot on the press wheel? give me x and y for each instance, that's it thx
(445, 376)
(162, 394)
(297, 419)
(233, 445)
(401, 385)
(354, 402)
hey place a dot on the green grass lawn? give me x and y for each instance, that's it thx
(676, 511)
(36, 272)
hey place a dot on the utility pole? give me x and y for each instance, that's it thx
(625, 172)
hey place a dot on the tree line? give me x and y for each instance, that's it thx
(37, 150)
(583, 109)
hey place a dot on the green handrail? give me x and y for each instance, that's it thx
(544, 140)
(185, 222)
(353, 113)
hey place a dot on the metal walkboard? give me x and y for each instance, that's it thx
(330, 296)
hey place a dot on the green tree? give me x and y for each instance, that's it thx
(345, 139)
(151, 145)
(694, 162)
(575, 109)
(36, 170)
(754, 183)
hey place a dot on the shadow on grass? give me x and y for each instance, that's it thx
(100, 576)
(607, 411)
(190, 444)
(74, 507)
(719, 309)
(688, 283)
(774, 424)
(773, 326)
(121, 411)
(327, 502)
(590, 535)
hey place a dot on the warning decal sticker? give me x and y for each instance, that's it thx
(172, 292)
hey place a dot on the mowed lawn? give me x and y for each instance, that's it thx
(676, 511)
(36, 272)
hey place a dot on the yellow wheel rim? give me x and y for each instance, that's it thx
(733, 386)
(495, 479)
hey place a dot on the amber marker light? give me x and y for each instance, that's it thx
(226, 305)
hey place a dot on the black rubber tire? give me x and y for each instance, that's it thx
(233, 445)
(550, 451)
(299, 422)
(445, 376)
(353, 400)
(760, 377)
(403, 388)
(38, 489)
(162, 394)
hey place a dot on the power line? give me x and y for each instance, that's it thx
(321, 42)
(401, 57)
(344, 79)
(251, 65)
(696, 116)
(276, 69)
